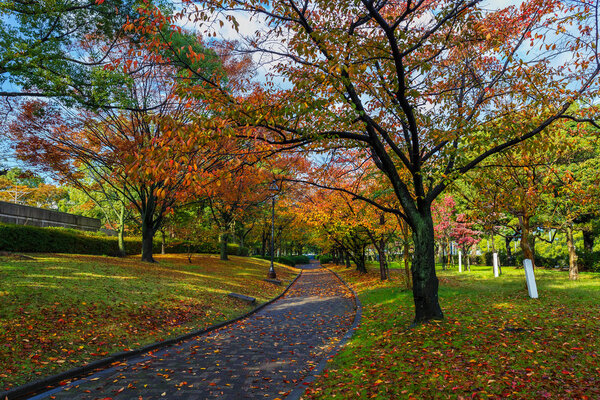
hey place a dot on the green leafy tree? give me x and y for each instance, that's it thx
(42, 45)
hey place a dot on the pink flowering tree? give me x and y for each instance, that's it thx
(465, 236)
(449, 226)
(443, 212)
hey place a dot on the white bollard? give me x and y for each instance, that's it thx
(495, 262)
(459, 261)
(530, 277)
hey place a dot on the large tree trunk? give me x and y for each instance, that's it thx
(573, 271)
(425, 281)
(224, 240)
(147, 237)
(149, 227)
(525, 245)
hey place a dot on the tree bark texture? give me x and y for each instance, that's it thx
(224, 240)
(147, 242)
(149, 227)
(525, 245)
(425, 281)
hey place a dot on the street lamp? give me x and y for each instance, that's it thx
(275, 189)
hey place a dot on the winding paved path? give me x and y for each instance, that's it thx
(263, 356)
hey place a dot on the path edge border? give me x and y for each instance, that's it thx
(50, 382)
(300, 389)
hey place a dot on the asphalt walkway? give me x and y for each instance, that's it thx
(266, 355)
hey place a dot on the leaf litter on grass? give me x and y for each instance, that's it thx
(62, 311)
(492, 344)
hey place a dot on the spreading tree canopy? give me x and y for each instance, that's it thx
(423, 90)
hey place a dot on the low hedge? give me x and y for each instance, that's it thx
(288, 260)
(33, 239)
(325, 258)
(233, 249)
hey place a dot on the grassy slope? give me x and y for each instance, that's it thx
(61, 311)
(480, 350)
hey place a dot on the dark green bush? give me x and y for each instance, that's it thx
(550, 262)
(234, 249)
(288, 260)
(32, 239)
(589, 260)
(299, 260)
(325, 258)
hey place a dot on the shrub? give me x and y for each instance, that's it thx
(550, 262)
(589, 260)
(234, 249)
(33, 239)
(21, 238)
(288, 260)
(325, 258)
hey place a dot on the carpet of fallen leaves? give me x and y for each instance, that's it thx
(60, 311)
(495, 342)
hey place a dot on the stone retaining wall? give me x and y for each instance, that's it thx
(26, 215)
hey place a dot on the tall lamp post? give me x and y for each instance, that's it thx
(274, 188)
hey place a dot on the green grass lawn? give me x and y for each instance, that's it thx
(60, 311)
(495, 341)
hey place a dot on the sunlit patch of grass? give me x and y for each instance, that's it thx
(495, 341)
(60, 311)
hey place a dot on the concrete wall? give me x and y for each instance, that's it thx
(25, 215)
